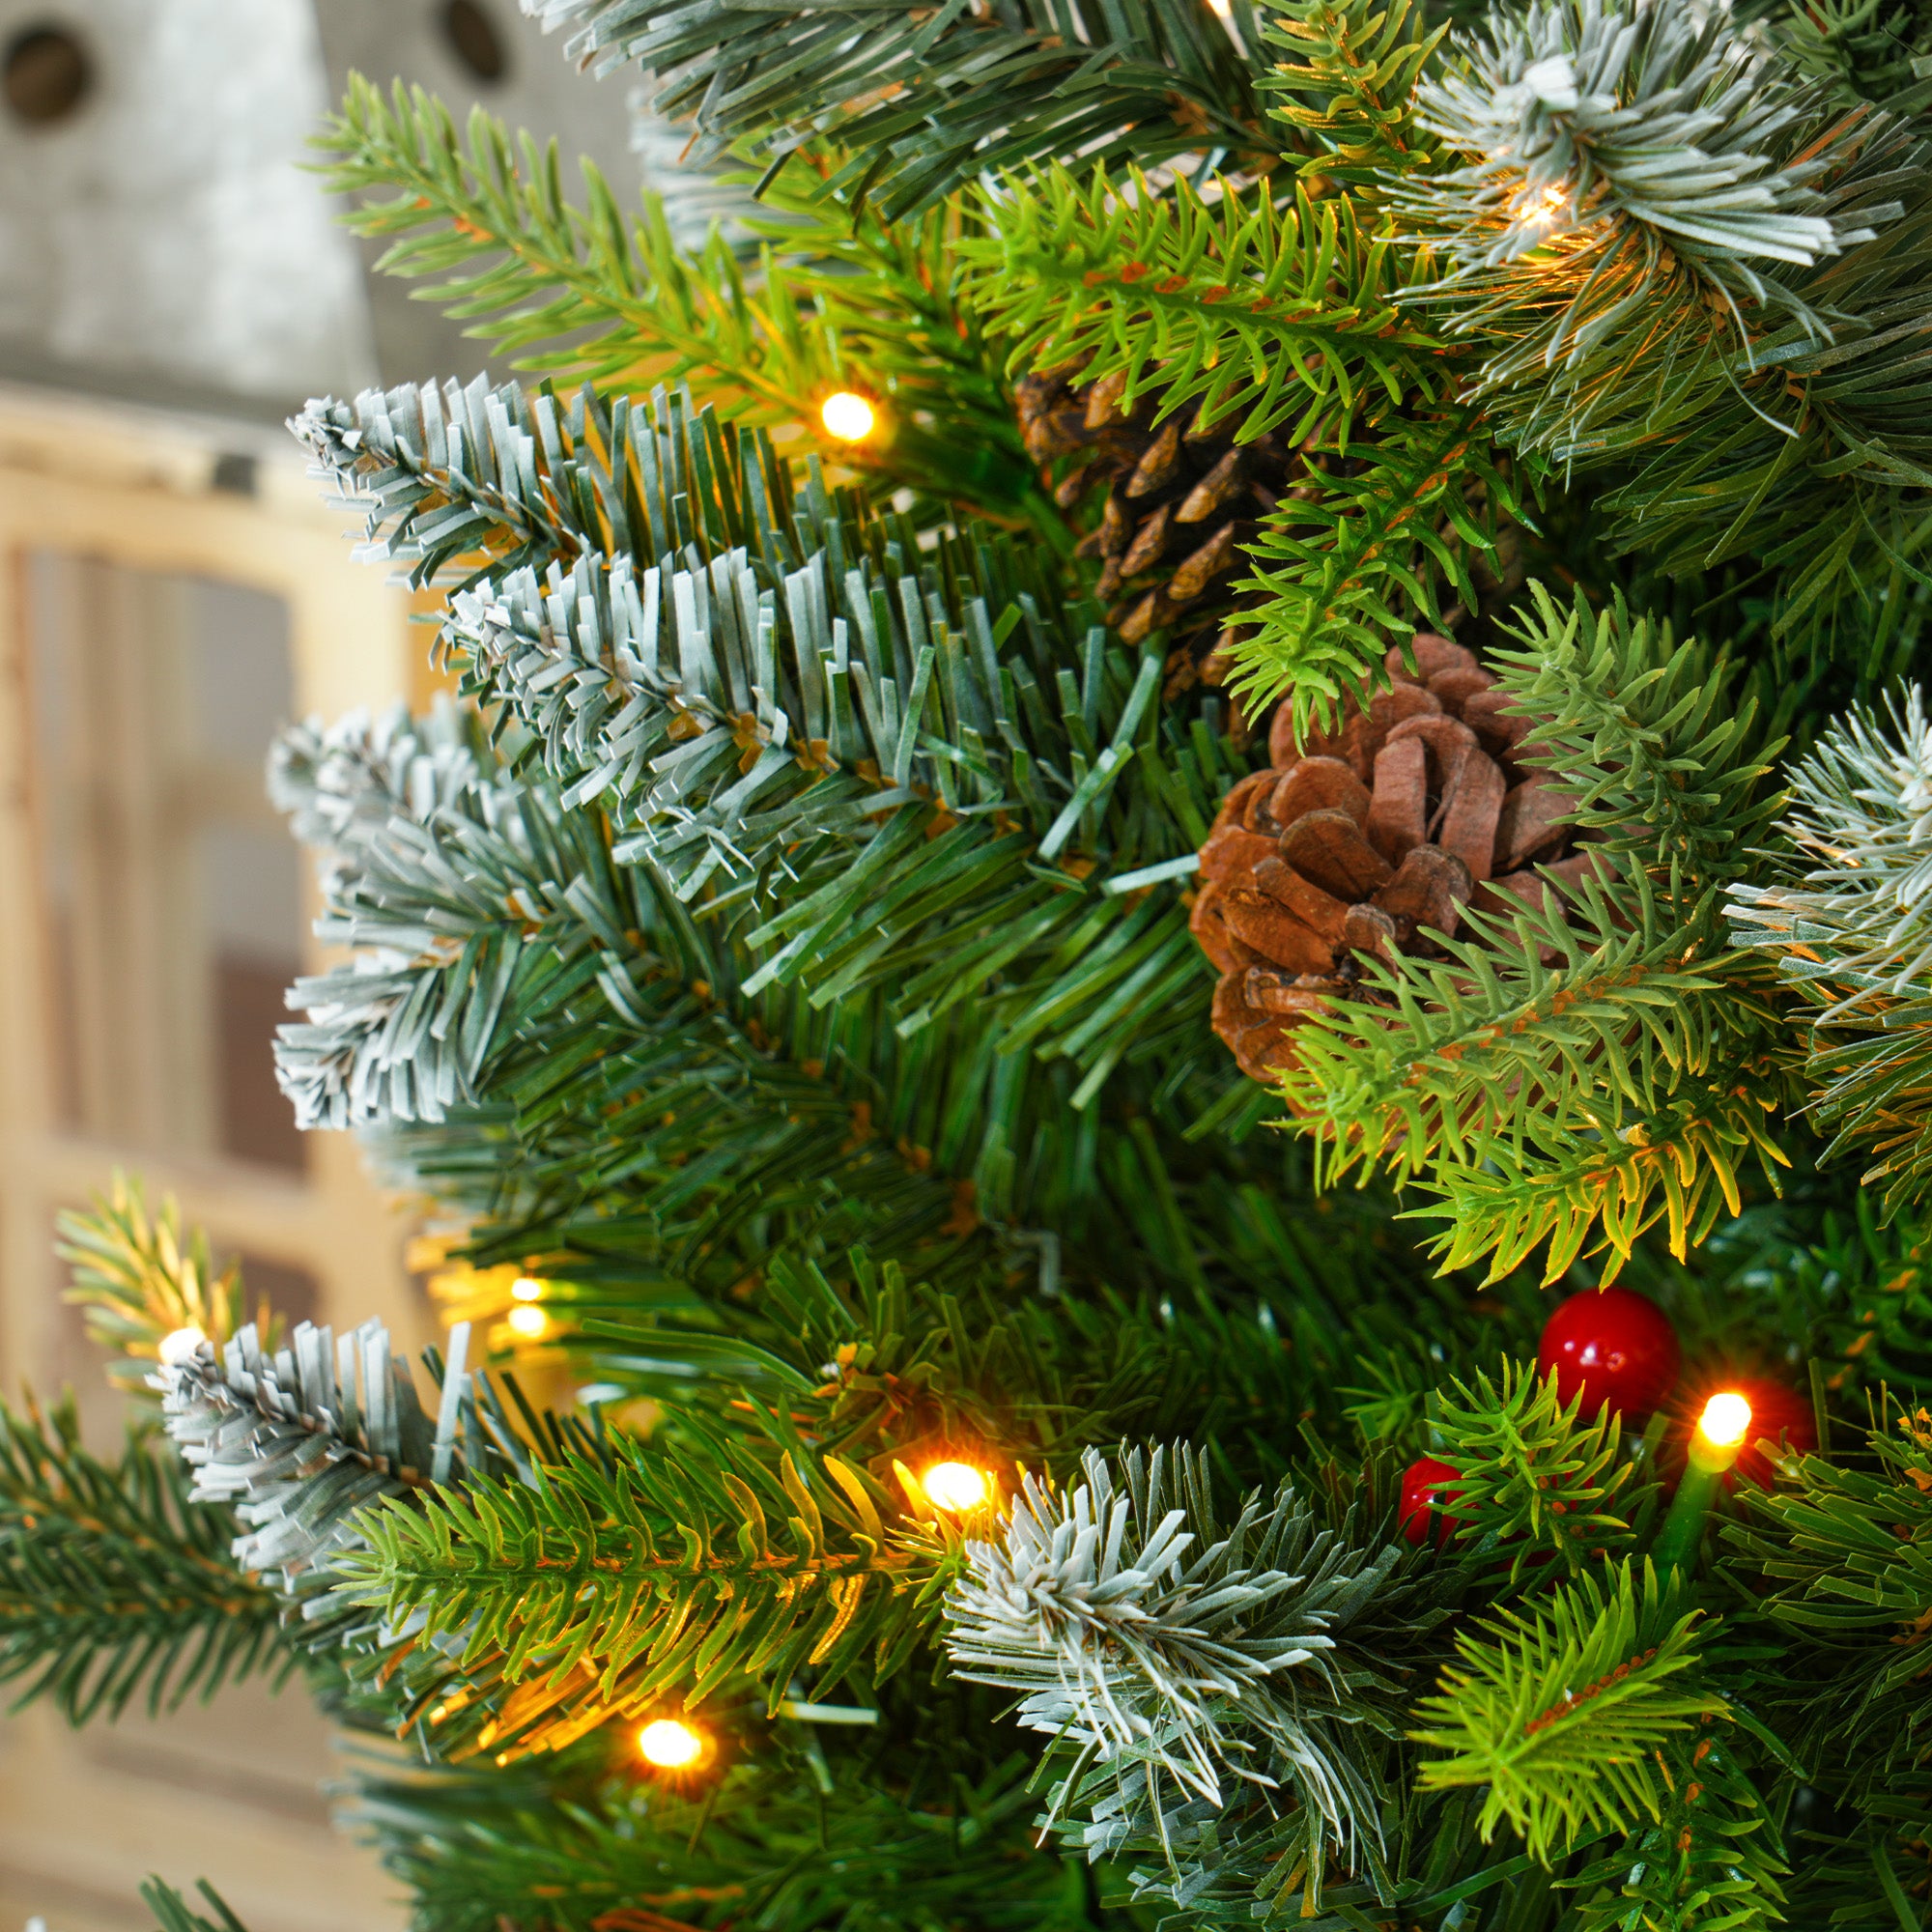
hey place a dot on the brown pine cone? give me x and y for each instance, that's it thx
(1179, 501)
(1371, 839)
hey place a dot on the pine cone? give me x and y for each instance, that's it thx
(1181, 500)
(1371, 841)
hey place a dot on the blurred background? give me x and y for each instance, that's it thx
(172, 286)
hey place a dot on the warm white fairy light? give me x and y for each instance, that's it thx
(1546, 210)
(180, 1346)
(1725, 1419)
(850, 417)
(670, 1745)
(527, 1322)
(1709, 1456)
(956, 1485)
(526, 1289)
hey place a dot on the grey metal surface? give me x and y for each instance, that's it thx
(161, 244)
(161, 234)
(405, 39)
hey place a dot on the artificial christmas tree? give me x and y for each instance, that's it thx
(992, 1476)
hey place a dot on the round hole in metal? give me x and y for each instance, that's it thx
(45, 75)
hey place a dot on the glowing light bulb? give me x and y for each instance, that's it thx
(956, 1485)
(1725, 1418)
(669, 1745)
(1708, 1457)
(525, 1288)
(850, 419)
(527, 1322)
(1544, 209)
(180, 1347)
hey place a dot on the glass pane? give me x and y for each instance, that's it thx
(173, 893)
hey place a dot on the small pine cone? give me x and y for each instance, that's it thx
(1178, 502)
(1371, 841)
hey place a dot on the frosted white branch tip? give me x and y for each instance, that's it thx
(300, 1440)
(1145, 1636)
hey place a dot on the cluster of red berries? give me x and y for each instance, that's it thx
(1617, 1347)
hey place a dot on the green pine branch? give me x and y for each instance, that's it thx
(1287, 320)
(1665, 750)
(925, 104)
(836, 298)
(1869, 1283)
(888, 1368)
(1864, 1867)
(114, 1585)
(1667, 765)
(1560, 1711)
(1285, 316)
(173, 1912)
(1865, 49)
(790, 1830)
(1387, 528)
(1848, 1545)
(1682, 1168)
(643, 1569)
(1852, 466)
(1709, 1861)
(137, 1280)
(1496, 1053)
(1598, 1064)
(1350, 83)
(1534, 1478)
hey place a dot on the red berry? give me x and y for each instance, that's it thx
(1427, 1483)
(1614, 1345)
(1775, 1411)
